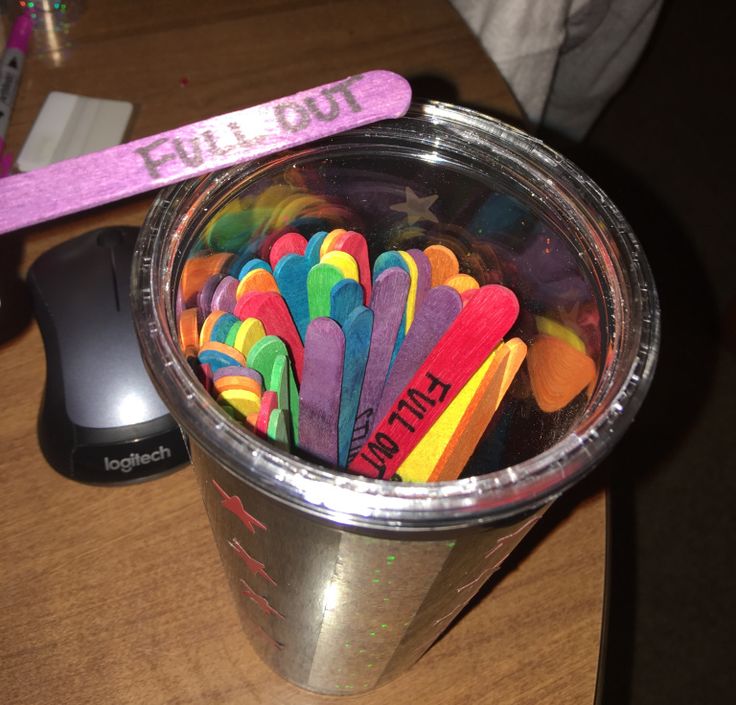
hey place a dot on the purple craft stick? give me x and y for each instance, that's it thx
(204, 297)
(193, 150)
(319, 394)
(441, 306)
(237, 371)
(388, 301)
(424, 276)
(223, 298)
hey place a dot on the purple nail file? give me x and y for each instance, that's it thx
(388, 302)
(357, 329)
(193, 150)
(223, 298)
(424, 276)
(441, 306)
(319, 394)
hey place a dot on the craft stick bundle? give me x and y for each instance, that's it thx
(391, 371)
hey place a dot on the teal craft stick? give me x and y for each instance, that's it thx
(345, 296)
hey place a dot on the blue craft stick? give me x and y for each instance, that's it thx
(357, 329)
(313, 246)
(222, 327)
(252, 264)
(345, 296)
(290, 274)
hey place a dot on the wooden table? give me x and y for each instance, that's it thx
(103, 594)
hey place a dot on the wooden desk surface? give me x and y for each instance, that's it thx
(103, 594)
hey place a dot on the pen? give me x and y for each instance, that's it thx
(11, 67)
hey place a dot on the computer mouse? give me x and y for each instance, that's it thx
(101, 419)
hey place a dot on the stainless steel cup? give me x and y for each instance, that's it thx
(343, 582)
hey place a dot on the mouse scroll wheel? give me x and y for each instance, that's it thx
(109, 238)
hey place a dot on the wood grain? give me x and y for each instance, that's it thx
(116, 595)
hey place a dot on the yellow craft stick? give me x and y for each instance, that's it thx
(420, 464)
(462, 282)
(343, 261)
(549, 327)
(250, 332)
(411, 297)
(326, 245)
(243, 401)
(470, 430)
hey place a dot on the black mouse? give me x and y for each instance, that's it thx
(101, 419)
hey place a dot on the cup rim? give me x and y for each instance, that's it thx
(356, 501)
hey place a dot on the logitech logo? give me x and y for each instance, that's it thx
(134, 460)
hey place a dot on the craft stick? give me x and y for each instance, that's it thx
(205, 332)
(262, 357)
(290, 274)
(547, 326)
(384, 261)
(256, 280)
(269, 402)
(470, 430)
(200, 148)
(357, 329)
(421, 464)
(279, 382)
(319, 394)
(388, 303)
(277, 429)
(221, 328)
(345, 296)
(239, 371)
(355, 245)
(253, 264)
(327, 241)
(250, 331)
(476, 331)
(557, 372)
(342, 261)
(270, 308)
(441, 306)
(467, 295)
(320, 280)
(314, 245)
(411, 297)
(424, 275)
(197, 270)
(245, 402)
(443, 262)
(218, 355)
(188, 325)
(223, 298)
(462, 282)
(232, 333)
(225, 383)
(204, 296)
(287, 244)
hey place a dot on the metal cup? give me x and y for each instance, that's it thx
(343, 582)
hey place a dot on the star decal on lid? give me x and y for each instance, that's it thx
(416, 208)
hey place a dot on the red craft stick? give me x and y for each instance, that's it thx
(470, 339)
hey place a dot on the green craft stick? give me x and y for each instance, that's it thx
(278, 428)
(320, 280)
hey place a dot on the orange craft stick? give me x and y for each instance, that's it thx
(189, 329)
(557, 372)
(197, 270)
(443, 262)
(256, 280)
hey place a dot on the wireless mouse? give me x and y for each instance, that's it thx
(101, 419)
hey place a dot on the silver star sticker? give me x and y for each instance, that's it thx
(416, 208)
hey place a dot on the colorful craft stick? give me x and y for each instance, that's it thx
(250, 331)
(277, 429)
(443, 262)
(223, 298)
(357, 328)
(287, 244)
(388, 304)
(476, 331)
(290, 274)
(252, 265)
(441, 306)
(205, 332)
(462, 282)
(269, 402)
(238, 371)
(319, 394)
(188, 325)
(558, 372)
(320, 280)
(221, 327)
(204, 297)
(424, 276)
(314, 245)
(345, 296)
(342, 261)
(326, 243)
(355, 245)
(256, 280)
(197, 270)
(218, 355)
(219, 142)
(270, 308)
(224, 383)
(385, 261)
(245, 402)
(411, 297)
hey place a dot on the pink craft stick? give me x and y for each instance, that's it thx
(193, 150)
